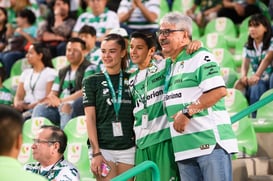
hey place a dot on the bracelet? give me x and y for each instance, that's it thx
(96, 154)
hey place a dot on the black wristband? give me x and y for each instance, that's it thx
(96, 154)
(185, 111)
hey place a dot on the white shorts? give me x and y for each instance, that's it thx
(118, 156)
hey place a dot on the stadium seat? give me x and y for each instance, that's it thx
(77, 153)
(59, 62)
(235, 101)
(31, 127)
(76, 130)
(238, 50)
(164, 8)
(214, 40)
(224, 58)
(223, 26)
(246, 137)
(12, 83)
(243, 27)
(195, 31)
(182, 5)
(18, 67)
(25, 154)
(264, 117)
(230, 76)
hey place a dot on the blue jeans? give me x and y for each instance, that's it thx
(51, 113)
(9, 58)
(212, 167)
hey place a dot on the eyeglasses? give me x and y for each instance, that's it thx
(38, 141)
(166, 32)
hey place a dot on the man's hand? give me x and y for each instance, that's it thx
(180, 122)
(193, 46)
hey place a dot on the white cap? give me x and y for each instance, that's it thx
(120, 31)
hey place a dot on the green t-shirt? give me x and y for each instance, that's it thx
(6, 96)
(97, 93)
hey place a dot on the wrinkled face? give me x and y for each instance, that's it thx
(111, 54)
(170, 39)
(139, 51)
(97, 6)
(42, 148)
(257, 31)
(90, 40)
(32, 56)
(74, 53)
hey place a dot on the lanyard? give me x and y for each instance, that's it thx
(168, 77)
(32, 87)
(116, 101)
(143, 98)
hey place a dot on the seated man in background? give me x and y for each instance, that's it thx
(58, 105)
(11, 123)
(48, 149)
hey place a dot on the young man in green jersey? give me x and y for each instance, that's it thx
(151, 126)
(200, 126)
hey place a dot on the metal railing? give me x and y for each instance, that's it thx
(137, 169)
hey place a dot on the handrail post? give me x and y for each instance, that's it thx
(137, 169)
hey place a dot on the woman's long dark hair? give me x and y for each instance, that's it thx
(256, 20)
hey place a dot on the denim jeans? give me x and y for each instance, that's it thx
(51, 113)
(213, 167)
(9, 58)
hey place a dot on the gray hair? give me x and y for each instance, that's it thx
(178, 19)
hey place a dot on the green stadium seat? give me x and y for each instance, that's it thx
(25, 154)
(164, 8)
(235, 101)
(223, 26)
(243, 27)
(224, 58)
(77, 154)
(238, 50)
(214, 40)
(195, 31)
(230, 76)
(246, 137)
(76, 129)
(18, 67)
(59, 62)
(12, 83)
(31, 127)
(264, 117)
(182, 5)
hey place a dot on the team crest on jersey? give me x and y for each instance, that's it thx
(152, 68)
(126, 81)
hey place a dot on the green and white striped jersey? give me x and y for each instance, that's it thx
(147, 88)
(190, 77)
(6, 96)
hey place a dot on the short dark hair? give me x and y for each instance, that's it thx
(77, 40)
(11, 125)
(27, 13)
(147, 37)
(88, 30)
(57, 135)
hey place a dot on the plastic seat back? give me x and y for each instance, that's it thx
(229, 76)
(214, 40)
(31, 127)
(224, 58)
(59, 62)
(235, 101)
(76, 129)
(12, 83)
(18, 67)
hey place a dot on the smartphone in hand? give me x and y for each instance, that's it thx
(105, 169)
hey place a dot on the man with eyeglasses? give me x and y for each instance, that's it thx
(11, 123)
(48, 149)
(200, 126)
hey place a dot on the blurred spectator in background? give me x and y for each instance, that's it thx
(15, 7)
(258, 54)
(113, 5)
(207, 11)
(237, 11)
(11, 125)
(36, 82)
(67, 87)
(102, 19)
(24, 34)
(138, 15)
(270, 7)
(6, 96)
(56, 30)
(3, 28)
(92, 52)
